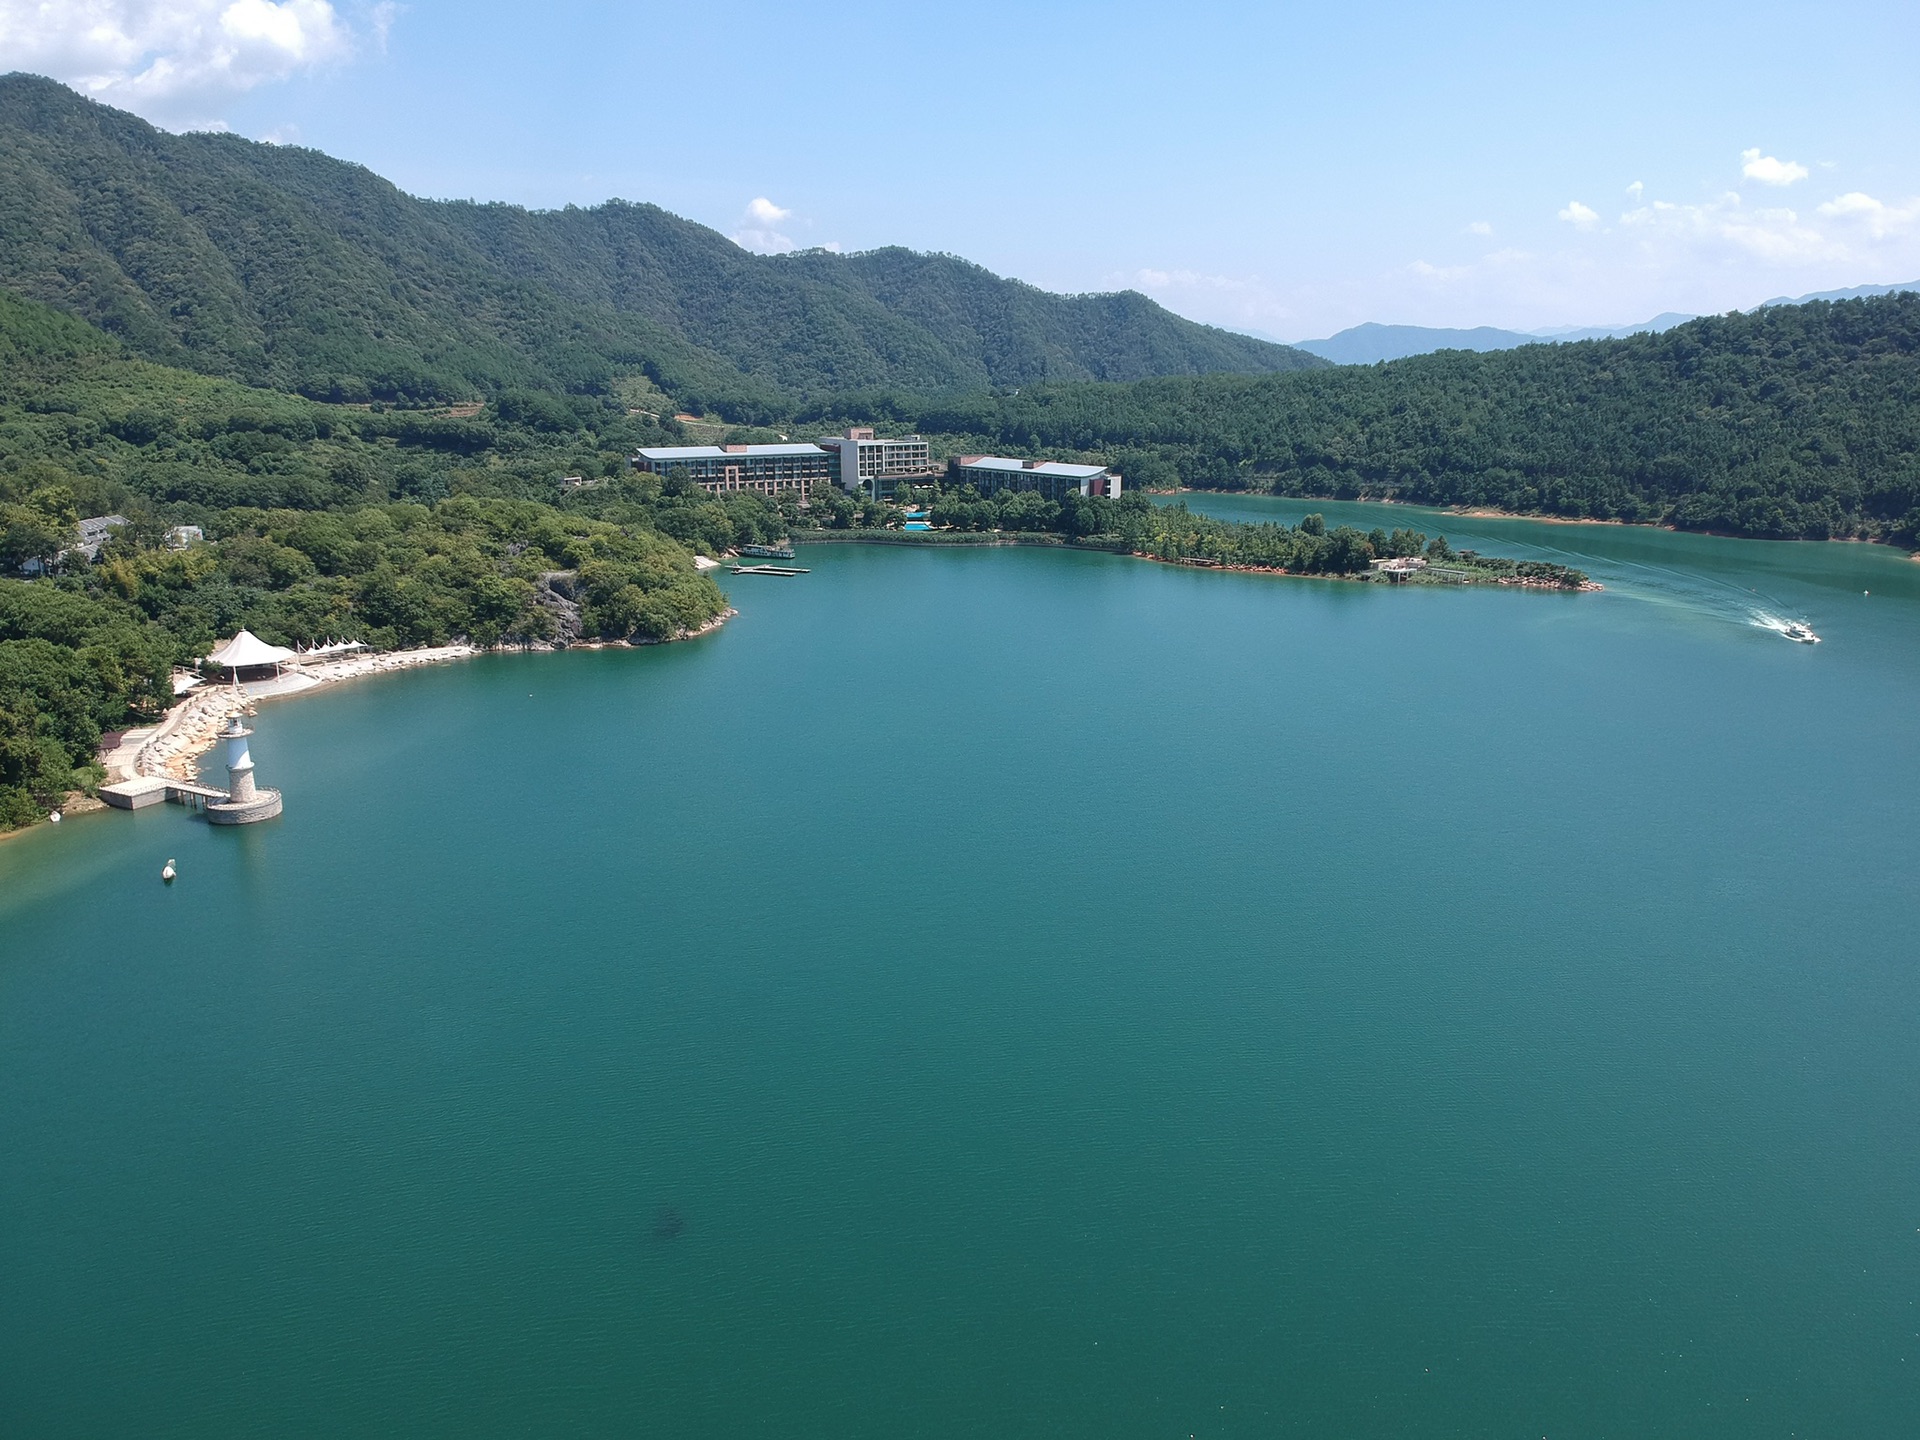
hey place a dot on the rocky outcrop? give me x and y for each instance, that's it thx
(555, 593)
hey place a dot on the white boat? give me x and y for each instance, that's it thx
(166, 872)
(1800, 631)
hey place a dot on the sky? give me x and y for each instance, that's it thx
(1288, 169)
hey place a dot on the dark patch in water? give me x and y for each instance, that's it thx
(668, 1223)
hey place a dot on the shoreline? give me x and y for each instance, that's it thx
(172, 746)
(1490, 512)
(1042, 540)
(1512, 582)
(175, 746)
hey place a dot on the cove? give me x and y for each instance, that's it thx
(1012, 991)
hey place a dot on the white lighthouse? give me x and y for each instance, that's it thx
(245, 801)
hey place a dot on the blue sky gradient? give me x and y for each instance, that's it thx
(1289, 169)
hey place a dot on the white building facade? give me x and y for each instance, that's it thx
(873, 466)
(1052, 479)
(769, 470)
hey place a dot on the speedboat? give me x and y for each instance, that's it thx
(1801, 631)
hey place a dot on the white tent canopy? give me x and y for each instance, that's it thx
(336, 647)
(246, 650)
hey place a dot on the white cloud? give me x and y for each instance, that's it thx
(1769, 171)
(1727, 226)
(176, 61)
(1492, 261)
(1635, 191)
(1877, 218)
(1150, 279)
(1722, 252)
(759, 227)
(1479, 227)
(1237, 302)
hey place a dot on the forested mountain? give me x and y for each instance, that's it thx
(1788, 421)
(285, 268)
(1370, 343)
(1855, 292)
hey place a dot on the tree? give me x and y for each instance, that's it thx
(28, 534)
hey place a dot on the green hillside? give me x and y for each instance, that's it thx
(400, 528)
(1792, 421)
(285, 268)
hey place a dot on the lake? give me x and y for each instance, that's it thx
(1013, 992)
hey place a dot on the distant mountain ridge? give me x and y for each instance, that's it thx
(1370, 343)
(286, 268)
(1858, 292)
(1664, 321)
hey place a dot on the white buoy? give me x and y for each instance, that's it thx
(166, 872)
(55, 817)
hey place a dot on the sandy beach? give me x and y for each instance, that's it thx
(171, 748)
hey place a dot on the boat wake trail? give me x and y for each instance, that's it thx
(1704, 595)
(1795, 630)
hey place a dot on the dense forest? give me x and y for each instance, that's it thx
(283, 267)
(397, 528)
(1791, 421)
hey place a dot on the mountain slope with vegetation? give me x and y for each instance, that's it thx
(1789, 422)
(285, 268)
(398, 528)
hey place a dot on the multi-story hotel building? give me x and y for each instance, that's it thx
(876, 466)
(770, 470)
(1053, 479)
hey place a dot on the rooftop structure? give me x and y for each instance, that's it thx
(1398, 569)
(769, 470)
(94, 532)
(181, 536)
(876, 466)
(1053, 479)
(247, 651)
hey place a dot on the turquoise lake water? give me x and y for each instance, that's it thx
(1013, 992)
